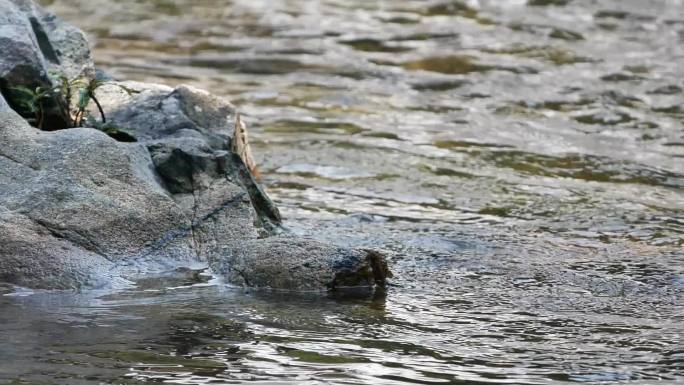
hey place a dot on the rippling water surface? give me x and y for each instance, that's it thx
(521, 161)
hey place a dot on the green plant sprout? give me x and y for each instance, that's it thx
(64, 87)
(32, 101)
(86, 94)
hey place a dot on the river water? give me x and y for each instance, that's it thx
(521, 162)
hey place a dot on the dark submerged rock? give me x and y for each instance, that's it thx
(300, 264)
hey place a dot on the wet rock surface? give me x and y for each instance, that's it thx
(297, 264)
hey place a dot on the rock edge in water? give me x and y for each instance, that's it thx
(79, 209)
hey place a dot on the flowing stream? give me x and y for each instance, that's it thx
(521, 161)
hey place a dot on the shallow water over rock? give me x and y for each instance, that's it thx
(521, 161)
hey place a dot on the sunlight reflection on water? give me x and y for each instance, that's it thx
(520, 161)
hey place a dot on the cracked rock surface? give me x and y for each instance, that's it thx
(80, 209)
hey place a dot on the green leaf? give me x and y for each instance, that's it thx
(128, 90)
(83, 99)
(23, 90)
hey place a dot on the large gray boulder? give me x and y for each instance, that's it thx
(185, 130)
(80, 209)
